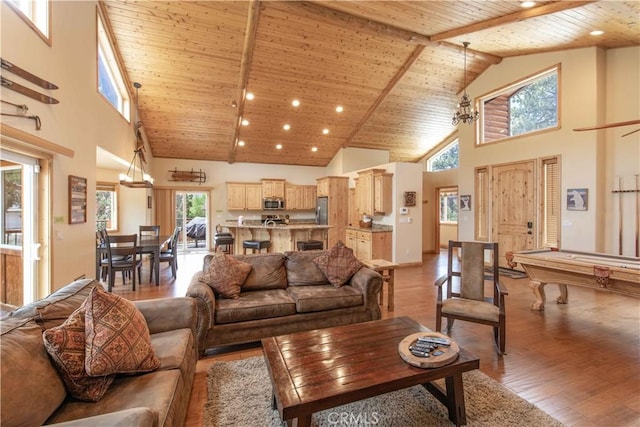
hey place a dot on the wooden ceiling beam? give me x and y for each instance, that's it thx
(546, 9)
(383, 94)
(253, 13)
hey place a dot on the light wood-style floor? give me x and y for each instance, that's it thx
(579, 362)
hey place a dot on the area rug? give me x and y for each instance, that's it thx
(240, 396)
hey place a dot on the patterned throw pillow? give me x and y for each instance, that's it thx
(226, 275)
(65, 345)
(338, 264)
(117, 336)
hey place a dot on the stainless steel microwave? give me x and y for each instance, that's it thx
(273, 204)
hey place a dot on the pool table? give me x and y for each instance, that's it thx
(611, 273)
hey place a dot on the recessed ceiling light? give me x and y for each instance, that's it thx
(295, 103)
(245, 122)
(527, 4)
(339, 109)
(314, 149)
(325, 131)
(286, 127)
(249, 96)
(241, 143)
(596, 32)
(279, 147)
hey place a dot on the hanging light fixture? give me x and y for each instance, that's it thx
(137, 163)
(465, 113)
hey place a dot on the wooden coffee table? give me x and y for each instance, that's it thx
(321, 369)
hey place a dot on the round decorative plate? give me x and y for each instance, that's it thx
(449, 354)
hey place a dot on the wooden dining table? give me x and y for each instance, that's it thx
(146, 244)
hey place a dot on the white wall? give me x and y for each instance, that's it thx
(351, 159)
(81, 121)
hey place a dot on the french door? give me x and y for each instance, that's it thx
(192, 216)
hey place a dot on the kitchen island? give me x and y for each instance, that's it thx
(283, 237)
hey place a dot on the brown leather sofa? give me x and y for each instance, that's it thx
(33, 393)
(284, 293)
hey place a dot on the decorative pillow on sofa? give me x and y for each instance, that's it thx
(226, 275)
(338, 264)
(117, 336)
(65, 345)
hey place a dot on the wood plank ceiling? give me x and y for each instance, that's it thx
(396, 67)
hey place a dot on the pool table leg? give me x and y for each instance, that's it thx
(538, 291)
(564, 295)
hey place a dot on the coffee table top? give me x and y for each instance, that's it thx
(315, 370)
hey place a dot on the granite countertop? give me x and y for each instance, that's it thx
(290, 226)
(375, 228)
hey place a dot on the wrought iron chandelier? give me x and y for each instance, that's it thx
(465, 113)
(137, 163)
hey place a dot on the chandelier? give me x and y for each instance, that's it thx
(137, 163)
(465, 113)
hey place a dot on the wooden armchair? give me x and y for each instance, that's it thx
(470, 303)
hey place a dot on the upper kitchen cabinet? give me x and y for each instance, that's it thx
(300, 197)
(273, 188)
(374, 192)
(244, 196)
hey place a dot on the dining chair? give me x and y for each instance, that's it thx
(170, 255)
(101, 254)
(122, 255)
(470, 303)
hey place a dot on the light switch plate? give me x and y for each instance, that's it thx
(404, 211)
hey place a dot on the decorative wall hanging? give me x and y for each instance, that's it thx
(77, 200)
(188, 176)
(465, 202)
(409, 198)
(577, 199)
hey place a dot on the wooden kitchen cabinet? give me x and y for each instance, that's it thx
(369, 245)
(300, 197)
(382, 192)
(374, 192)
(309, 197)
(336, 189)
(273, 188)
(244, 196)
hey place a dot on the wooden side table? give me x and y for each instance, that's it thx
(387, 271)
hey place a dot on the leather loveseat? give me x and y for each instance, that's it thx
(33, 392)
(284, 293)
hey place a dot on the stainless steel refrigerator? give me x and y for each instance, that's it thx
(322, 211)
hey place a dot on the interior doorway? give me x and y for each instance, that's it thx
(447, 216)
(192, 216)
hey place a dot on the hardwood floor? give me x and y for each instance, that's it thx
(579, 362)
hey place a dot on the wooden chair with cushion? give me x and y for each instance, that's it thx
(122, 255)
(170, 255)
(469, 276)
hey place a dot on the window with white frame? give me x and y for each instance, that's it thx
(106, 206)
(35, 13)
(529, 105)
(110, 81)
(447, 158)
(449, 205)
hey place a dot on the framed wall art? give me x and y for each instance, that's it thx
(77, 200)
(409, 198)
(465, 202)
(577, 199)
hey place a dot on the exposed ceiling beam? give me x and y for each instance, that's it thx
(245, 66)
(383, 94)
(556, 6)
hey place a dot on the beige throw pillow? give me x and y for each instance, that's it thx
(338, 264)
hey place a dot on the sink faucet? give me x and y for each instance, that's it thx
(269, 223)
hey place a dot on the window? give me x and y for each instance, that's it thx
(106, 206)
(11, 205)
(447, 158)
(527, 106)
(448, 206)
(482, 204)
(110, 82)
(35, 13)
(551, 203)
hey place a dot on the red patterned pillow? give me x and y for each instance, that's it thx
(117, 336)
(338, 264)
(226, 275)
(65, 345)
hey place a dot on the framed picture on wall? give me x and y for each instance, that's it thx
(465, 202)
(409, 198)
(77, 200)
(577, 199)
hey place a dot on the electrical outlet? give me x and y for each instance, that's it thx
(59, 235)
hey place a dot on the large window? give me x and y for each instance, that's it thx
(106, 206)
(529, 105)
(447, 158)
(550, 203)
(449, 206)
(110, 82)
(36, 14)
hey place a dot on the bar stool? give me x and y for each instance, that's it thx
(255, 244)
(225, 240)
(308, 245)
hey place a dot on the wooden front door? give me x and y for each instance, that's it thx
(514, 215)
